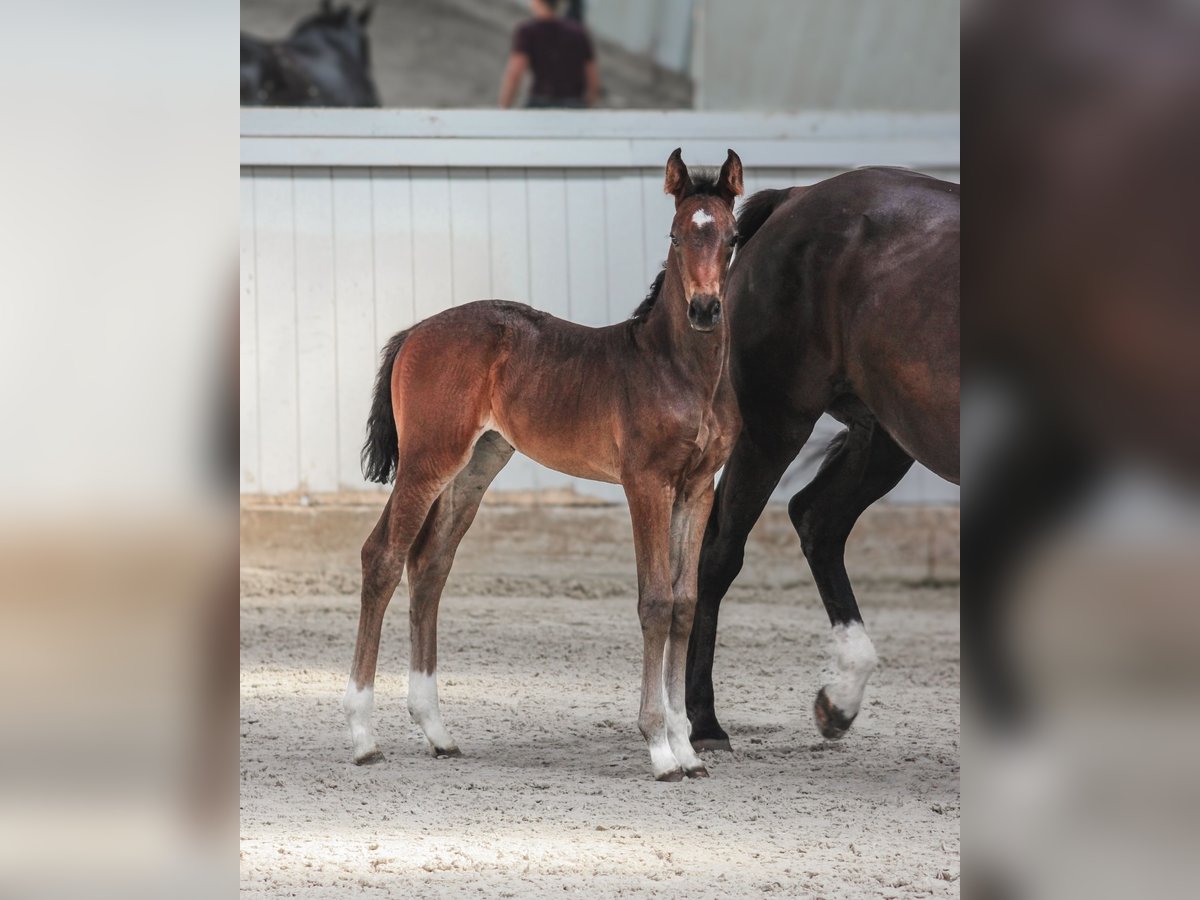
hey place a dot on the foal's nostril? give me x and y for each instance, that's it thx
(704, 311)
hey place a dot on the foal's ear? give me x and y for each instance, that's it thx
(677, 182)
(729, 182)
(365, 15)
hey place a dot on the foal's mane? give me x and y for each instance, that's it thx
(646, 305)
(704, 181)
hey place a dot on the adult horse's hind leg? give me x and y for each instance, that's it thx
(429, 563)
(753, 470)
(862, 464)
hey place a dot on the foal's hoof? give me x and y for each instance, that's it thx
(673, 775)
(698, 772)
(369, 758)
(831, 721)
(445, 752)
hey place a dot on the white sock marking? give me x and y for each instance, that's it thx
(700, 218)
(678, 728)
(854, 660)
(424, 709)
(358, 706)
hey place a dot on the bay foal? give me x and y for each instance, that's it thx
(646, 403)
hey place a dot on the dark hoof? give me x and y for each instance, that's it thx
(708, 735)
(446, 753)
(673, 775)
(831, 721)
(370, 759)
(696, 773)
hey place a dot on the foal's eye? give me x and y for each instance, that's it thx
(733, 241)
(674, 241)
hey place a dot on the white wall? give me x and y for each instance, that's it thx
(826, 54)
(659, 29)
(356, 224)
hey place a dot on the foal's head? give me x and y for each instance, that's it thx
(703, 234)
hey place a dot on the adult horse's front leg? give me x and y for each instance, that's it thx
(753, 470)
(650, 505)
(687, 533)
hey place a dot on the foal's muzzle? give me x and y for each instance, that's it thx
(704, 312)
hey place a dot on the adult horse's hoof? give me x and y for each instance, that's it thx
(706, 734)
(673, 775)
(831, 721)
(698, 772)
(445, 752)
(369, 758)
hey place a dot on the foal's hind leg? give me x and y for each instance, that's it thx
(383, 558)
(429, 563)
(862, 464)
(382, 565)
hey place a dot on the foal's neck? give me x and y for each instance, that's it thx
(703, 353)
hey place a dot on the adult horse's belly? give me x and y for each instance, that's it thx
(920, 410)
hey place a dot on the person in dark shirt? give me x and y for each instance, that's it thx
(559, 54)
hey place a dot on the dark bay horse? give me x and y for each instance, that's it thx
(843, 298)
(325, 61)
(646, 404)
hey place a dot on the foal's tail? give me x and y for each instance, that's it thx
(757, 209)
(381, 451)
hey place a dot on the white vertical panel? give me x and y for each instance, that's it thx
(508, 224)
(355, 284)
(274, 236)
(586, 248)
(316, 331)
(433, 280)
(549, 278)
(251, 476)
(391, 198)
(658, 210)
(471, 253)
(625, 242)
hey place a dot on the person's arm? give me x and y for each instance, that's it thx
(517, 64)
(592, 73)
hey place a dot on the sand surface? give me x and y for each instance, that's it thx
(554, 794)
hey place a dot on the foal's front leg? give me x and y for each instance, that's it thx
(687, 533)
(650, 505)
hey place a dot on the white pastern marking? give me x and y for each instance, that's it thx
(424, 709)
(854, 660)
(700, 218)
(662, 760)
(358, 705)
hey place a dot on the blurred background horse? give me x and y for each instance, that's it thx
(325, 61)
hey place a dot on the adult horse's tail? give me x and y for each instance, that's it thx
(757, 209)
(381, 451)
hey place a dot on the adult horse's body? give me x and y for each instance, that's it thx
(646, 403)
(844, 298)
(325, 61)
